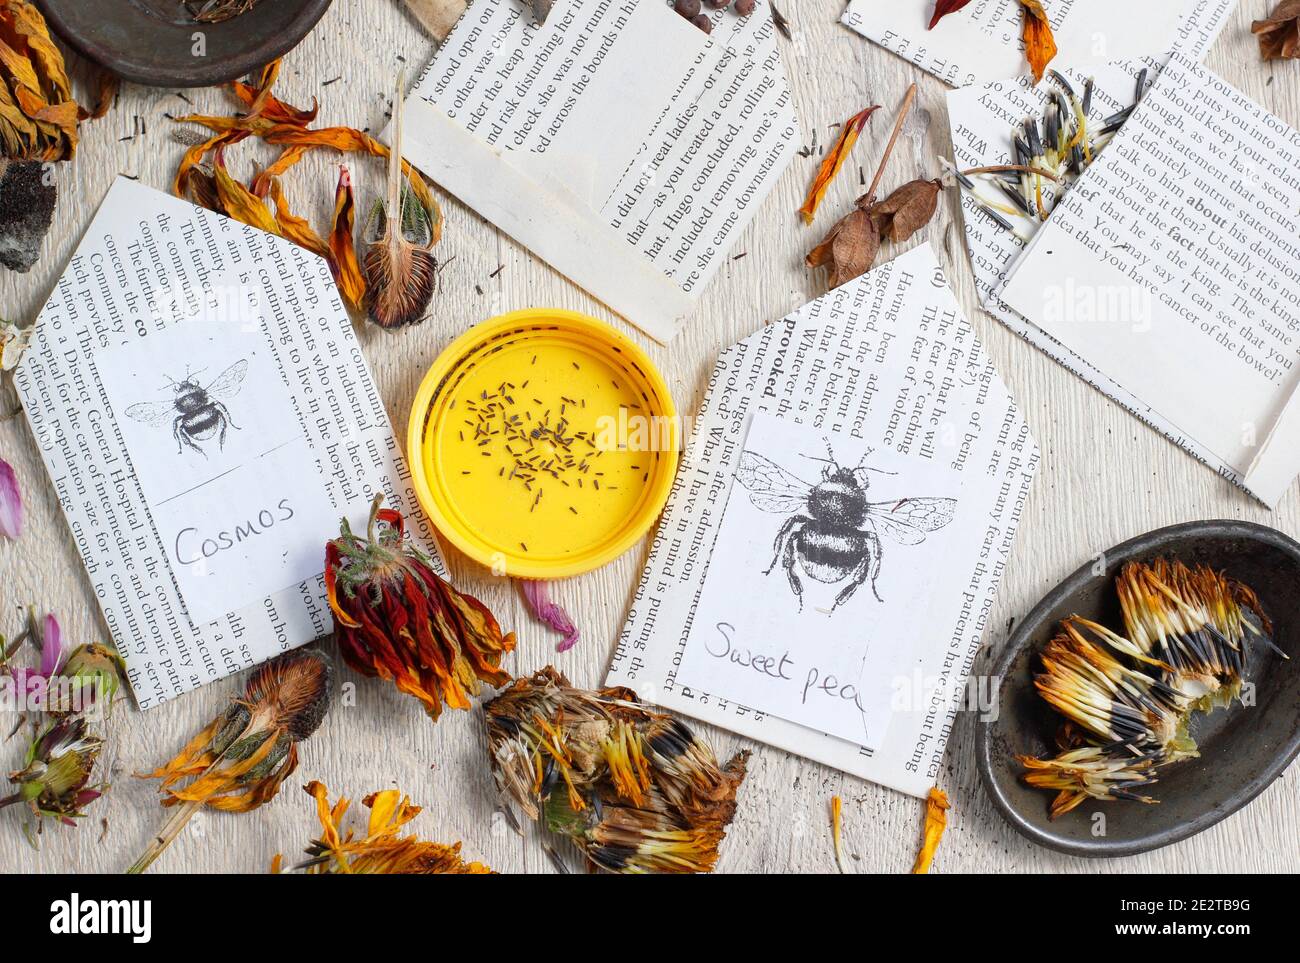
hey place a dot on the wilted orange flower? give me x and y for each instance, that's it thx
(395, 618)
(381, 850)
(835, 159)
(1040, 45)
(936, 820)
(38, 115)
(275, 122)
(240, 759)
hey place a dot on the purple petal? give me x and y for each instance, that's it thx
(11, 502)
(538, 596)
(51, 646)
(31, 685)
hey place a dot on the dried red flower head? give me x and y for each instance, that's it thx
(395, 618)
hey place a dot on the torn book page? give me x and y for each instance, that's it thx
(204, 412)
(617, 141)
(1172, 265)
(983, 120)
(886, 362)
(981, 42)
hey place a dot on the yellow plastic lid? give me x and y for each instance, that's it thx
(543, 443)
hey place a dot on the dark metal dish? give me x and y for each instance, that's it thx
(153, 42)
(1243, 748)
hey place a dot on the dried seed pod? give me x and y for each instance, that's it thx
(1195, 623)
(1187, 634)
(634, 789)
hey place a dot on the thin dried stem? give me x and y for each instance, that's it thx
(1011, 169)
(893, 139)
(171, 829)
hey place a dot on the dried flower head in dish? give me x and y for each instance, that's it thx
(634, 789)
(381, 850)
(240, 759)
(1129, 699)
(395, 618)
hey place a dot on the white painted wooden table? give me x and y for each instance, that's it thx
(1104, 478)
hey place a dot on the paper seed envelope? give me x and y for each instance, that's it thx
(981, 118)
(822, 575)
(205, 414)
(981, 42)
(618, 142)
(1172, 267)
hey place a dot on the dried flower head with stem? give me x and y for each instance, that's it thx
(397, 619)
(381, 850)
(852, 245)
(240, 759)
(55, 779)
(286, 127)
(401, 271)
(634, 789)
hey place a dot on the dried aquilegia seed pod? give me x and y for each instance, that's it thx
(634, 789)
(395, 618)
(54, 780)
(240, 759)
(381, 850)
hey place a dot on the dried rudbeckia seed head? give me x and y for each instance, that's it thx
(240, 759)
(1197, 622)
(1084, 679)
(1129, 699)
(381, 850)
(397, 619)
(634, 789)
(54, 780)
(1092, 772)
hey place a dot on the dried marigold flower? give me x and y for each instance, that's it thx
(395, 618)
(240, 759)
(381, 850)
(936, 821)
(634, 789)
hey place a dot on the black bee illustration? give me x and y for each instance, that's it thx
(196, 413)
(833, 532)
